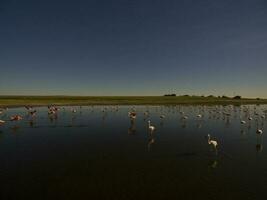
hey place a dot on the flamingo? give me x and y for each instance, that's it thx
(51, 112)
(199, 116)
(74, 110)
(1, 122)
(16, 118)
(151, 128)
(259, 131)
(162, 116)
(132, 115)
(29, 108)
(32, 113)
(146, 113)
(185, 117)
(214, 143)
(243, 122)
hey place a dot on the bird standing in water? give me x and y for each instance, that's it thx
(150, 127)
(214, 143)
(1, 122)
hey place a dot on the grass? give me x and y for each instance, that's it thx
(11, 101)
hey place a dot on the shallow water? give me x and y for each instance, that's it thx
(103, 155)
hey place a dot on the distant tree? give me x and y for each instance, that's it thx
(210, 96)
(169, 95)
(258, 98)
(225, 97)
(237, 97)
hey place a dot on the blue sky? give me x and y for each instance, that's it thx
(103, 47)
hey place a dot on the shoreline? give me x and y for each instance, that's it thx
(40, 101)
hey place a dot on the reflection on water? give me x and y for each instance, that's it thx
(31, 123)
(132, 128)
(151, 141)
(100, 152)
(199, 125)
(259, 146)
(183, 124)
(15, 128)
(213, 164)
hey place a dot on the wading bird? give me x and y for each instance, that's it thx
(29, 108)
(132, 115)
(16, 118)
(243, 122)
(151, 128)
(184, 117)
(1, 122)
(212, 142)
(162, 116)
(32, 113)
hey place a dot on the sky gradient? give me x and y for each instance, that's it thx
(142, 47)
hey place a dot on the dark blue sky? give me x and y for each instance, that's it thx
(139, 47)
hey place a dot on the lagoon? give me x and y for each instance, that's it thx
(98, 152)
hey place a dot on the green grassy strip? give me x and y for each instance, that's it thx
(121, 100)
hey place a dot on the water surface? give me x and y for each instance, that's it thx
(98, 152)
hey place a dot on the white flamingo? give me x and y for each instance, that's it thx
(151, 128)
(162, 116)
(243, 122)
(73, 110)
(185, 117)
(214, 143)
(259, 131)
(51, 112)
(1, 122)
